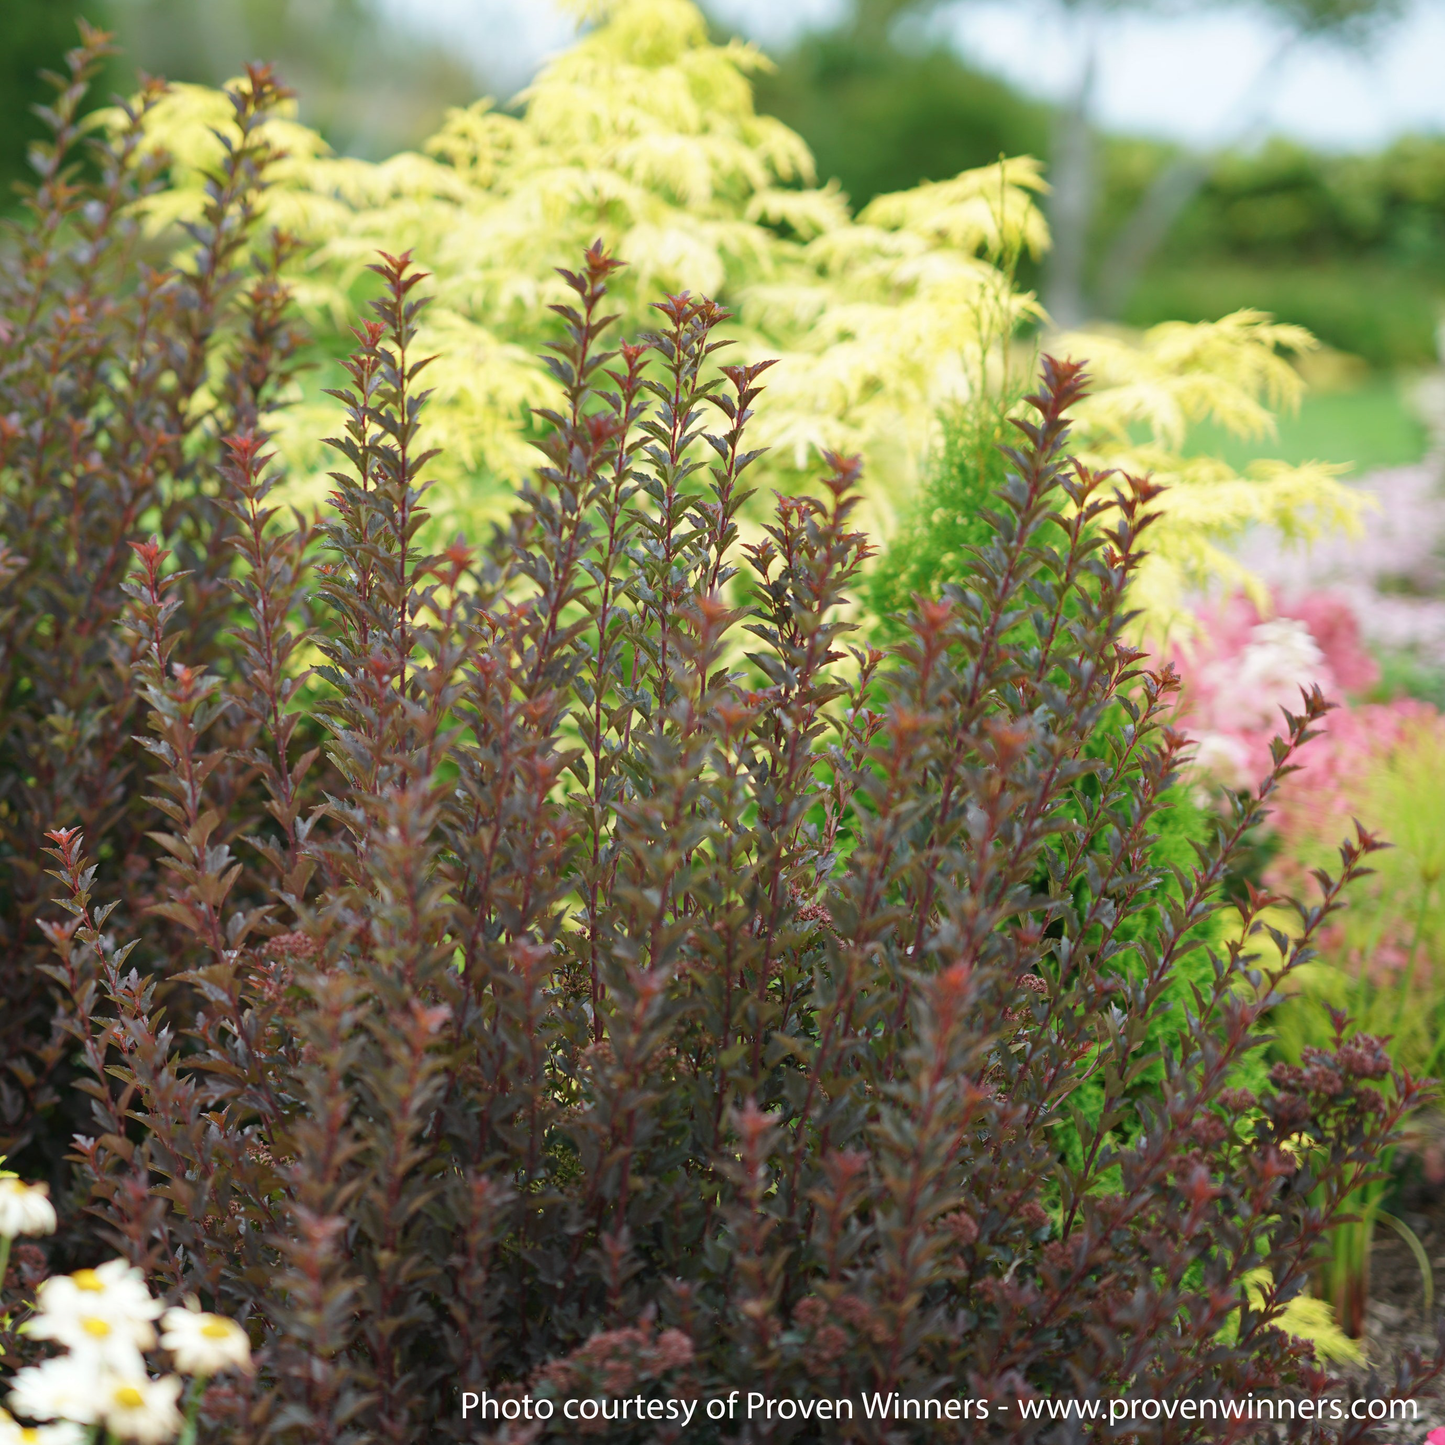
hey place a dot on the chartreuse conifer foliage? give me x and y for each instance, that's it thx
(1152, 389)
(606, 974)
(644, 133)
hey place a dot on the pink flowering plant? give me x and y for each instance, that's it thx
(1381, 963)
(1243, 666)
(1376, 762)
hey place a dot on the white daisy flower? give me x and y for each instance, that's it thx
(142, 1409)
(106, 1311)
(12, 1432)
(65, 1388)
(24, 1208)
(203, 1344)
(101, 1343)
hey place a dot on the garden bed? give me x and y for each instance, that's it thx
(1395, 1317)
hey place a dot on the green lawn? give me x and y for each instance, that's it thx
(1371, 426)
(1383, 313)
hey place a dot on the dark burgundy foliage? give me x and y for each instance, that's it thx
(573, 965)
(120, 371)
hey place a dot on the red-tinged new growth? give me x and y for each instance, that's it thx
(576, 964)
(120, 373)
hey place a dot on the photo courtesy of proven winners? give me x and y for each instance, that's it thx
(635, 805)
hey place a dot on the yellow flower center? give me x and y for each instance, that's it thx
(88, 1279)
(96, 1327)
(129, 1398)
(216, 1330)
(29, 1434)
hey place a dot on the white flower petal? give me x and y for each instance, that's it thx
(204, 1344)
(143, 1409)
(65, 1388)
(24, 1208)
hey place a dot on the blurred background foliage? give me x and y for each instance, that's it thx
(880, 115)
(885, 321)
(371, 86)
(1350, 246)
(36, 34)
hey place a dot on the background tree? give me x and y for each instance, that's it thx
(827, 87)
(882, 113)
(1337, 21)
(367, 83)
(1351, 246)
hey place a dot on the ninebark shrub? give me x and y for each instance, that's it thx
(577, 966)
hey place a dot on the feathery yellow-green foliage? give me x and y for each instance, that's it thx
(644, 133)
(1304, 1317)
(1150, 391)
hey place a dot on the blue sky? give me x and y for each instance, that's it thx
(1191, 75)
